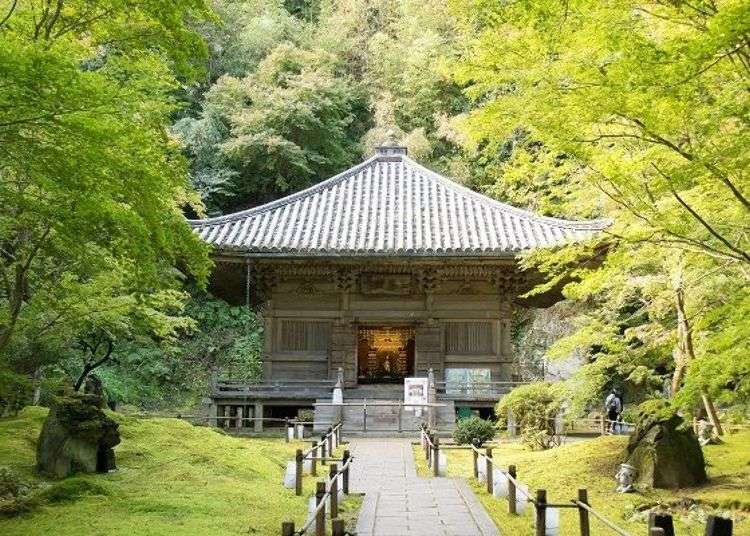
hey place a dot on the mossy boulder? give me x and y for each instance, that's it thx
(76, 437)
(666, 452)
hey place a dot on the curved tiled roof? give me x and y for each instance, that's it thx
(388, 205)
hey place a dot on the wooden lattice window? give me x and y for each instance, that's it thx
(304, 336)
(469, 338)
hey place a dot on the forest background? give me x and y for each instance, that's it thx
(120, 117)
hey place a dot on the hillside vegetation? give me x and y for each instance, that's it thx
(173, 478)
(592, 464)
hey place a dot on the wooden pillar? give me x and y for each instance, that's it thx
(345, 474)
(238, 421)
(258, 414)
(344, 352)
(320, 518)
(718, 526)
(512, 490)
(334, 490)
(436, 457)
(429, 349)
(583, 514)
(338, 528)
(298, 468)
(313, 461)
(223, 413)
(488, 468)
(541, 512)
(661, 521)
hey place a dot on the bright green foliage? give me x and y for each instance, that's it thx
(90, 184)
(177, 373)
(398, 49)
(288, 125)
(534, 407)
(309, 87)
(639, 112)
(473, 431)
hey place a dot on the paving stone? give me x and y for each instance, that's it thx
(399, 503)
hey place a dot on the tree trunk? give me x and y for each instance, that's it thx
(711, 411)
(37, 387)
(683, 352)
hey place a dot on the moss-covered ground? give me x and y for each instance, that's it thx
(591, 464)
(172, 478)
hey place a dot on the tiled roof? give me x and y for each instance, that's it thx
(388, 205)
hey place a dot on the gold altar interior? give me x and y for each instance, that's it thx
(385, 354)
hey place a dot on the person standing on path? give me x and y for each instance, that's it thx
(613, 408)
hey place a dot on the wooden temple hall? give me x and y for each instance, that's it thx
(385, 272)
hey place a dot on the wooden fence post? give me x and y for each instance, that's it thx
(298, 472)
(541, 513)
(511, 490)
(427, 447)
(313, 461)
(488, 468)
(287, 528)
(337, 527)
(334, 487)
(476, 463)
(364, 418)
(583, 514)
(436, 458)
(320, 518)
(603, 425)
(345, 474)
(662, 521)
(329, 438)
(718, 526)
(239, 421)
(286, 429)
(323, 453)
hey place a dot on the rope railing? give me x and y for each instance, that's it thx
(585, 506)
(486, 468)
(326, 491)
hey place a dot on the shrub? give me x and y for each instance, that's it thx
(534, 407)
(15, 494)
(306, 415)
(473, 430)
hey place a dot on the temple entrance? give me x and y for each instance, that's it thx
(385, 354)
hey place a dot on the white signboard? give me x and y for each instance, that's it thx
(415, 390)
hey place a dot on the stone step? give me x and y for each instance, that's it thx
(381, 418)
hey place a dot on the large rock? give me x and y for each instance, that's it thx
(77, 437)
(666, 454)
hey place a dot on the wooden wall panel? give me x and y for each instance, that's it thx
(469, 338)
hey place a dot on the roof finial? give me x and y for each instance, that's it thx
(391, 146)
(390, 138)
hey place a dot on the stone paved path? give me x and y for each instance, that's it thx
(399, 503)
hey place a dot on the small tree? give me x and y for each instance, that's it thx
(474, 431)
(534, 407)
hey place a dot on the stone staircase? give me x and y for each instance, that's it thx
(384, 416)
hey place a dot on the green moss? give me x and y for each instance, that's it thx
(592, 465)
(173, 479)
(72, 489)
